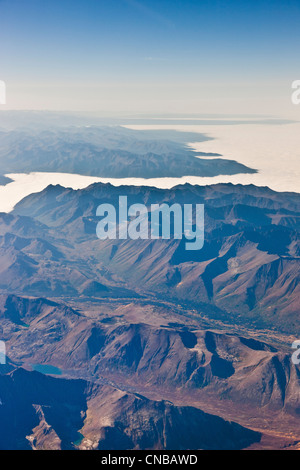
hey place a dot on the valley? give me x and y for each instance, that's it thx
(156, 344)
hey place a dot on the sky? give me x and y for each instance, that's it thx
(150, 56)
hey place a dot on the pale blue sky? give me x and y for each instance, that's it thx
(150, 56)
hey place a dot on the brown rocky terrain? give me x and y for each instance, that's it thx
(137, 378)
(247, 271)
(142, 344)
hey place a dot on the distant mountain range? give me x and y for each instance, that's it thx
(247, 271)
(157, 347)
(110, 152)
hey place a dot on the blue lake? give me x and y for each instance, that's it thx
(46, 369)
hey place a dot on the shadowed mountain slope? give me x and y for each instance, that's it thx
(50, 412)
(247, 271)
(148, 356)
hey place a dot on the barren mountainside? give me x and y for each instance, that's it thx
(247, 271)
(141, 344)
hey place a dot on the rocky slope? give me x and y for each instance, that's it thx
(150, 356)
(156, 347)
(50, 412)
(247, 271)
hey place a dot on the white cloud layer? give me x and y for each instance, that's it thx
(274, 150)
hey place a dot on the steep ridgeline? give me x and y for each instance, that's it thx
(64, 414)
(247, 272)
(150, 357)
